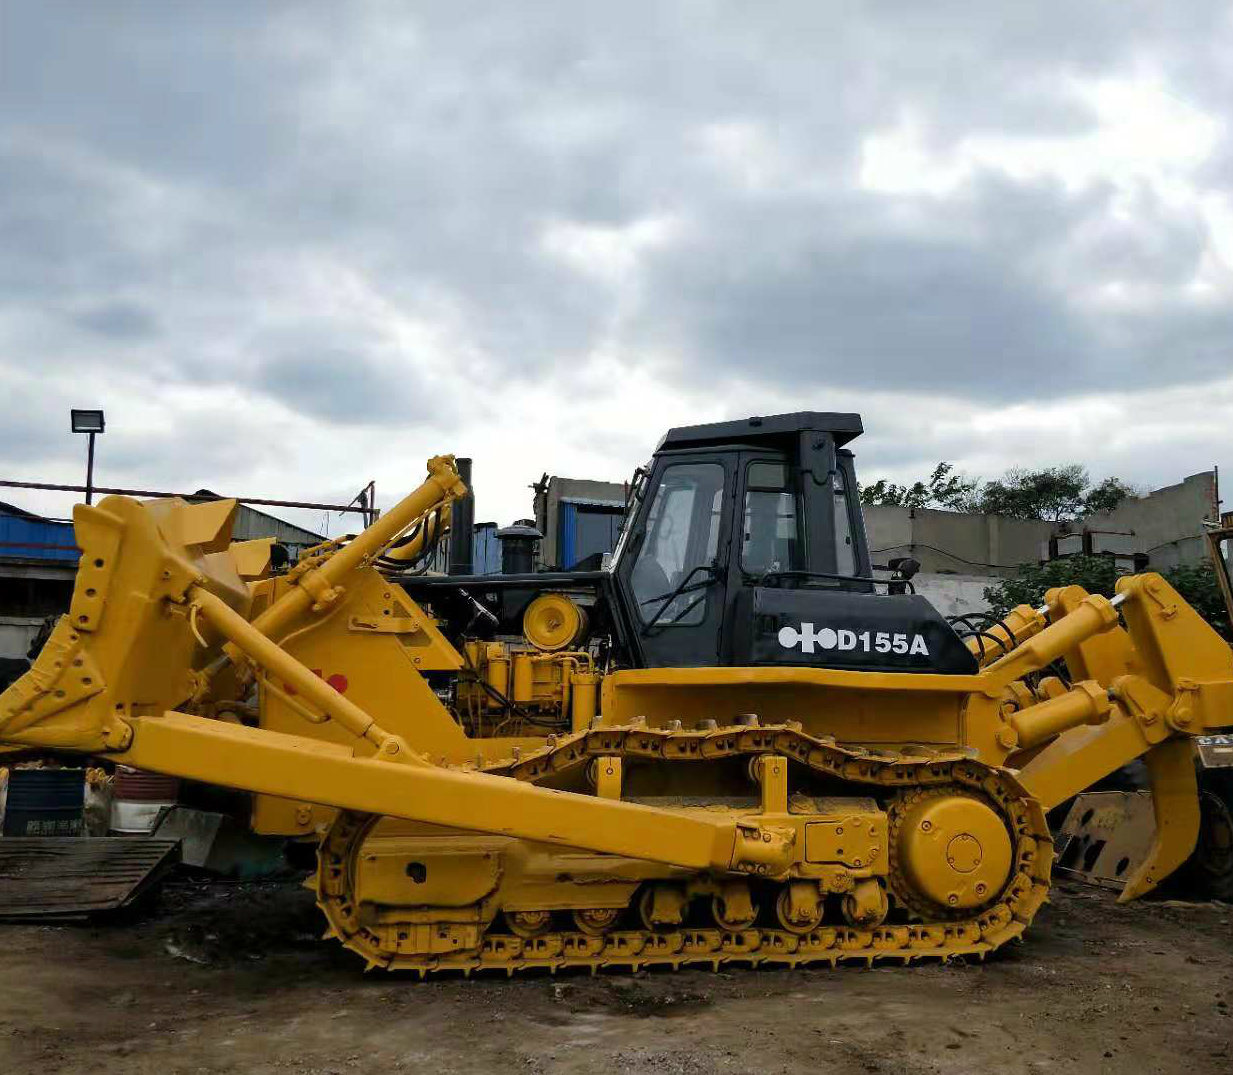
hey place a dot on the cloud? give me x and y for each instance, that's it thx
(293, 247)
(121, 320)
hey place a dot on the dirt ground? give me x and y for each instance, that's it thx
(234, 979)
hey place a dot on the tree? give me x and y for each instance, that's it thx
(1106, 495)
(1053, 494)
(944, 489)
(1096, 574)
(1197, 583)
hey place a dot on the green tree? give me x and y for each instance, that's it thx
(1197, 583)
(1053, 494)
(1106, 495)
(943, 489)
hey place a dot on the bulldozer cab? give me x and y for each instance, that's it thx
(746, 544)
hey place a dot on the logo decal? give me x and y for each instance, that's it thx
(807, 637)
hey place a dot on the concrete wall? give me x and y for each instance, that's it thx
(1166, 524)
(954, 541)
(955, 595)
(951, 595)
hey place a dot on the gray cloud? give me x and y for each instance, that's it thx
(343, 386)
(121, 320)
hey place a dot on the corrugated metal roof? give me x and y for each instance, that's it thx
(25, 536)
(253, 523)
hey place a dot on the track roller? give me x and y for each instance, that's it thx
(528, 924)
(866, 905)
(733, 908)
(596, 921)
(799, 907)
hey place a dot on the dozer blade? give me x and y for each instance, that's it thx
(125, 646)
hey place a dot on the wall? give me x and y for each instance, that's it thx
(954, 595)
(953, 541)
(38, 561)
(485, 550)
(16, 634)
(24, 536)
(1166, 524)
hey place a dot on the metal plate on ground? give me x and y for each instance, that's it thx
(1105, 836)
(66, 877)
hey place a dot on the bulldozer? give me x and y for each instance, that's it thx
(735, 743)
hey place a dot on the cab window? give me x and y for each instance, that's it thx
(845, 551)
(771, 539)
(682, 535)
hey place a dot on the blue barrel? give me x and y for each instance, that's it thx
(45, 802)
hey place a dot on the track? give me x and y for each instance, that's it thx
(927, 932)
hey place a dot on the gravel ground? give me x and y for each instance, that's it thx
(220, 979)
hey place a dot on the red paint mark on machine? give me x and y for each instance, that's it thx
(336, 680)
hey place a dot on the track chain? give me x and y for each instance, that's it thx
(902, 772)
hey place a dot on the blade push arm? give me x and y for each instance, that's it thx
(270, 763)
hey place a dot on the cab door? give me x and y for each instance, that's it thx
(674, 576)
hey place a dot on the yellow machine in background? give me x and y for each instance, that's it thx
(726, 747)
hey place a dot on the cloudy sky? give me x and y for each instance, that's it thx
(292, 247)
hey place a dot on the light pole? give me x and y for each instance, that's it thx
(90, 422)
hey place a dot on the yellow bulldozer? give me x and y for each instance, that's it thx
(734, 743)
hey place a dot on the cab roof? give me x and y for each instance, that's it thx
(842, 426)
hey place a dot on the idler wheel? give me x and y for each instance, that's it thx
(953, 850)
